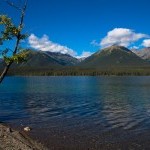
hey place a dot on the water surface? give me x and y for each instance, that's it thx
(80, 112)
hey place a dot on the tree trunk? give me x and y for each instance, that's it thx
(4, 72)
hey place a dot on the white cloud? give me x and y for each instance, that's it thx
(94, 43)
(84, 54)
(44, 44)
(146, 43)
(134, 47)
(122, 37)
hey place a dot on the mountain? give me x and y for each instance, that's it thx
(39, 62)
(143, 53)
(82, 59)
(63, 59)
(114, 60)
(114, 57)
(40, 59)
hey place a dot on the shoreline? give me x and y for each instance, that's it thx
(16, 140)
(11, 139)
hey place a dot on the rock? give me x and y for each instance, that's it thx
(8, 130)
(27, 129)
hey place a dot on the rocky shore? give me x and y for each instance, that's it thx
(15, 140)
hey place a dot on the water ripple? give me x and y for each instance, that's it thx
(96, 103)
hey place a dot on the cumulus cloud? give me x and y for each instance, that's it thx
(122, 37)
(95, 43)
(146, 43)
(44, 44)
(85, 54)
(134, 47)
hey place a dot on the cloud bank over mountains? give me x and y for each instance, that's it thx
(45, 44)
(118, 36)
(146, 43)
(85, 54)
(123, 37)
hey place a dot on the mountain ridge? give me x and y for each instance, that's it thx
(143, 53)
(113, 56)
(110, 60)
(47, 59)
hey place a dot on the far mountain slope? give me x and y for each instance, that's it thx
(40, 59)
(114, 57)
(143, 53)
(63, 59)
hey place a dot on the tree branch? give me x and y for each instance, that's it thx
(18, 38)
(12, 4)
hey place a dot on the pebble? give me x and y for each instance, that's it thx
(27, 129)
(8, 130)
(5, 136)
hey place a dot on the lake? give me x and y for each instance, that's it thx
(80, 113)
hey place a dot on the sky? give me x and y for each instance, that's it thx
(81, 27)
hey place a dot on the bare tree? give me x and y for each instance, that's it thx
(12, 32)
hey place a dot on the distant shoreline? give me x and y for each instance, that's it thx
(110, 75)
(79, 72)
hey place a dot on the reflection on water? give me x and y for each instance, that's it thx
(86, 104)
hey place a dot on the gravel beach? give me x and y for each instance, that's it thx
(14, 140)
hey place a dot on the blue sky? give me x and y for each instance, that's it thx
(74, 24)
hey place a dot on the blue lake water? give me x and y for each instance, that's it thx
(87, 112)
